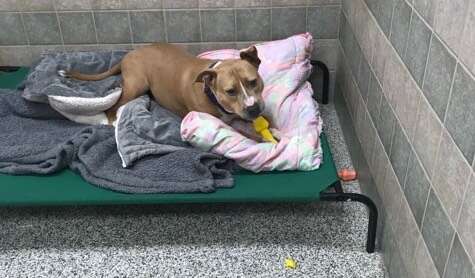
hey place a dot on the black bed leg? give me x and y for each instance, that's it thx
(373, 213)
(9, 68)
(337, 186)
(326, 79)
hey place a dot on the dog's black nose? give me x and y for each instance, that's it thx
(254, 111)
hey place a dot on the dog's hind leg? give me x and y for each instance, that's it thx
(132, 88)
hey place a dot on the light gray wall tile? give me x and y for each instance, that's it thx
(9, 5)
(77, 27)
(427, 9)
(15, 56)
(374, 98)
(388, 245)
(407, 104)
(437, 232)
(383, 12)
(424, 265)
(363, 78)
(366, 132)
(450, 18)
(359, 122)
(36, 5)
(72, 5)
(144, 4)
(382, 49)
(180, 4)
(218, 25)
(108, 4)
(450, 183)
(147, 26)
(392, 195)
(400, 151)
(426, 138)
(11, 32)
(323, 21)
(459, 264)
(354, 58)
(417, 48)
(400, 26)
(112, 27)
(395, 79)
(467, 51)
(287, 22)
(360, 15)
(438, 79)
(347, 39)
(372, 5)
(461, 113)
(183, 26)
(42, 28)
(327, 52)
(285, 3)
(396, 266)
(385, 125)
(467, 219)
(367, 39)
(323, 2)
(409, 234)
(253, 24)
(416, 188)
(378, 165)
(252, 3)
(216, 3)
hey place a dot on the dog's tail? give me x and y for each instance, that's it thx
(91, 77)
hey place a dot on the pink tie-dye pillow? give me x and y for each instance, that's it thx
(285, 67)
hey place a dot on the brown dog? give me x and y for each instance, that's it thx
(182, 83)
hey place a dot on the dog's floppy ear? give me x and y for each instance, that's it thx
(250, 55)
(206, 76)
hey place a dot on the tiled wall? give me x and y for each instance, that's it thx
(406, 74)
(29, 27)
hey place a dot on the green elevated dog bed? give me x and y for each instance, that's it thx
(68, 188)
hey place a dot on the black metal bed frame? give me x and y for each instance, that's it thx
(339, 195)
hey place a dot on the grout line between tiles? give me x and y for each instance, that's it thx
(165, 24)
(59, 24)
(406, 46)
(131, 35)
(95, 28)
(446, 111)
(427, 61)
(201, 24)
(451, 246)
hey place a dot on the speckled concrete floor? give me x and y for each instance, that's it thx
(238, 240)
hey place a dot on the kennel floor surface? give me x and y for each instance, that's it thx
(229, 240)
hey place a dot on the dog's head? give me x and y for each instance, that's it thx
(237, 84)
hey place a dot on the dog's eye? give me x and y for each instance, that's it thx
(231, 92)
(252, 83)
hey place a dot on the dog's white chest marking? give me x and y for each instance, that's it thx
(248, 100)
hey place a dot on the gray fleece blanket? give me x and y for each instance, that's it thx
(143, 153)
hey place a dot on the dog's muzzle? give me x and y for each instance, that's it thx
(254, 110)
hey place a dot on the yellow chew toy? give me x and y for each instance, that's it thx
(261, 125)
(290, 263)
